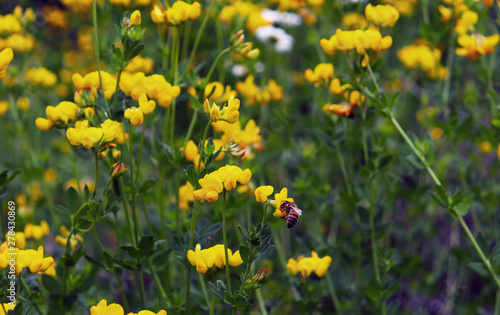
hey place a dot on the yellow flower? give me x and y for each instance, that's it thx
(41, 77)
(338, 89)
(135, 115)
(60, 116)
(420, 56)
(215, 92)
(498, 151)
(181, 12)
(154, 86)
(36, 232)
(92, 137)
(185, 196)
(262, 192)
(23, 103)
(6, 57)
(157, 15)
(4, 106)
(308, 265)
(135, 18)
(230, 113)
(139, 63)
(485, 147)
(436, 133)
(62, 240)
(321, 75)
(381, 15)
(354, 20)
(32, 259)
(466, 22)
(146, 106)
(279, 198)
(343, 109)
(92, 80)
(476, 44)
(212, 257)
(19, 239)
(102, 308)
(225, 177)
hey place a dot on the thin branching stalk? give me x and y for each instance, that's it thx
(97, 58)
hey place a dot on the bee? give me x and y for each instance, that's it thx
(293, 213)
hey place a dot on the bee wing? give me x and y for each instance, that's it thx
(297, 210)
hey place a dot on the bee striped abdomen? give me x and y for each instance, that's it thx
(291, 219)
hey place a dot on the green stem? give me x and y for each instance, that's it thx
(138, 228)
(96, 44)
(485, 260)
(212, 306)
(117, 87)
(157, 279)
(204, 289)
(127, 215)
(449, 64)
(333, 294)
(247, 271)
(372, 233)
(195, 46)
(264, 216)
(343, 169)
(191, 240)
(141, 288)
(141, 145)
(28, 291)
(75, 170)
(478, 249)
(190, 129)
(262, 303)
(219, 56)
(97, 240)
(96, 173)
(497, 304)
(224, 235)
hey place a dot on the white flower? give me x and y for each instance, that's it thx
(281, 40)
(285, 19)
(239, 70)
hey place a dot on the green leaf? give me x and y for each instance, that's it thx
(72, 199)
(62, 212)
(147, 184)
(191, 176)
(479, 268)
(216, 291)
(246, 254)
(464, 206)
(51, 283)
(82, 225)
(440, 195)
(127, 263)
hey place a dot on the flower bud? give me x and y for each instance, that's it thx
(135, 18)
(86, 97)
(235, 151)
(118, 169)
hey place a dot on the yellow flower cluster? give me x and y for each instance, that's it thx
(404, 7)
(62, 240)
(244, 138)
(18, 42)
(279, 199)
(36, 232)
(136, 115)
(228, 113)
(354, 21)
(128, 3)
(154, 86)
(381, 15)
(191, 152)
(13, 24)
(307, 265)
(256, 95)
(343, 109)
(140, 64)
(20, 239)
(59, 116)
(476, 44)
(23, 103)
(92, 137)
(4, 106)
(215, 92)
(102, 308)
(41, 77)
(422, 57)
(185, 195)
(92, 80)
(359, 40)
(214, 256)
(321, 75)
(6, 57)
(242, 10)
(32, 259)
(225, 177)
(179, 13)
(10, 24)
